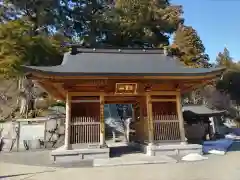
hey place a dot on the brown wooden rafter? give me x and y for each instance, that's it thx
(59, 85)
(52, 90)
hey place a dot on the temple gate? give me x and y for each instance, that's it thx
(148, 79)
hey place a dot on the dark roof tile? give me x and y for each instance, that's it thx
(120, 62)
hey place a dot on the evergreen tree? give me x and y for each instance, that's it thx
(18, 47)
(73, 18)
(119, 23)
(190, 47)
(140, 23)
(224, 59)
(230, 83)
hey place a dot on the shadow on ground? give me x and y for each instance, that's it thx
(235, 146)
(118, 151)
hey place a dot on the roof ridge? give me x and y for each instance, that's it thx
(76, 50)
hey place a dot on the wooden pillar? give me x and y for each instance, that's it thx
(143, 124)
(150, 119)
(102, 123)
(142, 121)
(180, 117)
(141, 113)
(67, 144)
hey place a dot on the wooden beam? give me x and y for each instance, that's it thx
(67, 144)
(59, 89)
(51, 90)
(163, 100)
(85, 93)
(85, 101)
(180, 117)
(120, 98)
(213, 75)
(150, 119)
(123, 95)
(119, 102)
(165, 93)
(56, 87)
(142, 119)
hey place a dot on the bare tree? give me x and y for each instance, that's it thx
(19, 96)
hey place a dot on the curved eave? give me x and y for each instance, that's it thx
(39, 72)
(52, 89)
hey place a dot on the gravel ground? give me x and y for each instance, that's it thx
(215, 168)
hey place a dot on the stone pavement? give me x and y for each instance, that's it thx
(18, 171)
(217, 167)
(133, 159)
(37, 158)
(36, 166)
(42, 158)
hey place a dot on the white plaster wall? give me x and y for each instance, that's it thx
(8, 134)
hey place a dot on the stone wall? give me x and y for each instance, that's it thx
(21, 136)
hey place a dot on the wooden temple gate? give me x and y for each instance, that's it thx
(157, 118)
(149, 79)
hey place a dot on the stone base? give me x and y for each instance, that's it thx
(61, 155)
(171, 149)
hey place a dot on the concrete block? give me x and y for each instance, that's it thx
(188, 151)
(172, 149)
(172, 152)
(62, 155)
(67, 158)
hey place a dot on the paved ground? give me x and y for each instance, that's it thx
(215, 168)
(37, 158)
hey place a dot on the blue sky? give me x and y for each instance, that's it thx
(217, 23)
